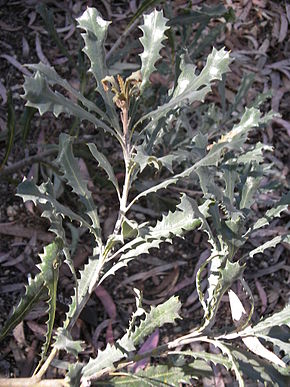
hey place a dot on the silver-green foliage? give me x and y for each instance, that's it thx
(228, 171)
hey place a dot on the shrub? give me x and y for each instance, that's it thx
(228, 171)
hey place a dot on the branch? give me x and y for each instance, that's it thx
(27, 161)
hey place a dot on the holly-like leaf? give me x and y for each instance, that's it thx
(94, 37)
(207, 356)
(271, 329)
(53, 78)
(49, 267)
(56, 227)
(40, 96)
(277, 319)
(71, 172)
(259, 369)
(165, 313)
(256, 153)
(274, 212)
(108, 357)
(251, 341)
(271, 243)
(223, 273)
(46, 280)
(89, 277)
(64, 341)
(33, 291)
(28, 190)
(190, 87)
(153, 30)
(173, 224)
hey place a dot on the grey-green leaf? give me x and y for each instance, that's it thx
(49, 267)
(94, 37)
(274, 212)
(69, 166)
(28, 190)
(105, 164)
(40, 96)
(33, 292)
(108, 357)
(165, 313)
(53, 78)
(86, 283)
(159, 376)
(153, 30)
(64, 341)
(271, 243)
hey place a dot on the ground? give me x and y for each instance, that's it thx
(259, 41)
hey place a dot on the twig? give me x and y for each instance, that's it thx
(27, 161)
(33, 382)
(119, 40)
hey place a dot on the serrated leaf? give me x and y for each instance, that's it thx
(251, 342)
(71, 172)
(267, 329)
(40, 96)
(33, 292)
(56, 227)
(192, 87)
(53, 78)
(207, 356)
(271, 243)
(176, 223)
(94, 37)
(277, 319)
(164, 184)
(232, 140)
(153, 30)
(89, 277)
(108, 357)
(105, 164)
(260, 370)
(64, 341)
(165, 313)
(143, 159)
(222, 274)
(274, 212)
(27, 190)
(49, 267)
(256, 153)
(160, 375)
(173, 224)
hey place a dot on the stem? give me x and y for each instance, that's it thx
(127, 155)
(123, 203)
(45, 365)
(33, 382)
